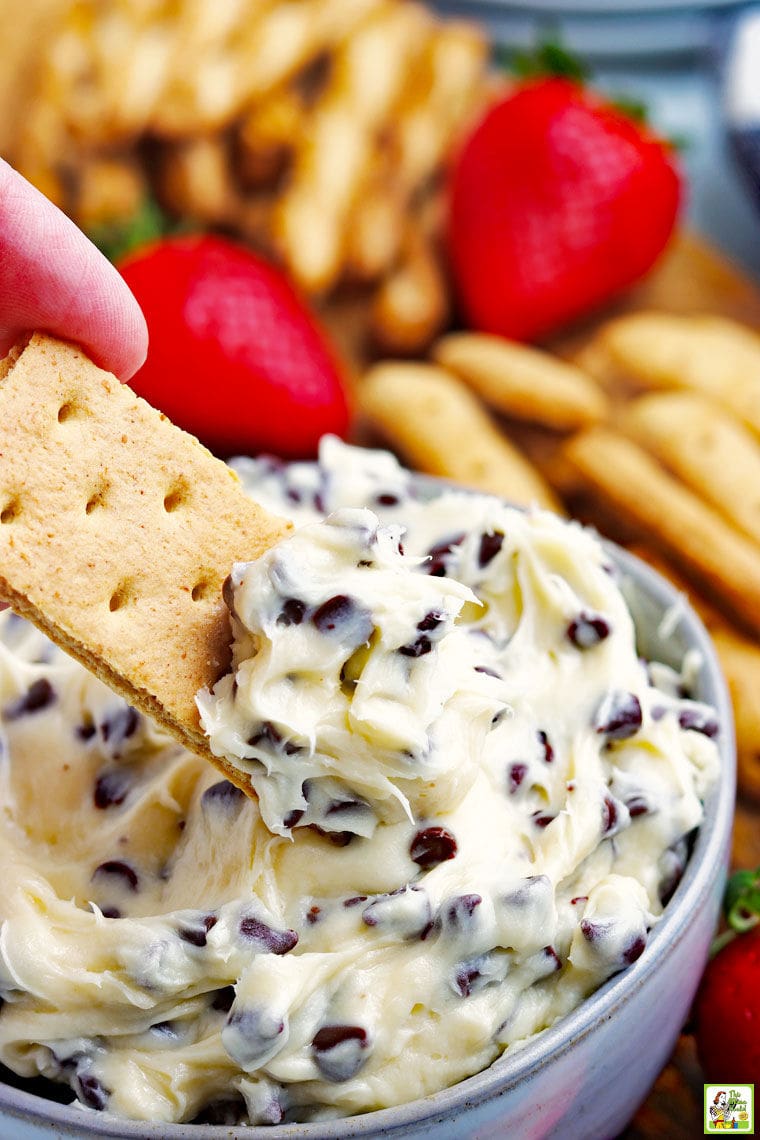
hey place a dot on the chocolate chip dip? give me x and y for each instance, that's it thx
(474, 800)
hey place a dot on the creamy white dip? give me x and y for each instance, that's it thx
(473, 802)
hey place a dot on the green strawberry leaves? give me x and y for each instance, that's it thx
(741, 907)
(741, 902)
(148, 224)
(550, 57)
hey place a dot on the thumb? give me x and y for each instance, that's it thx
(53, 279)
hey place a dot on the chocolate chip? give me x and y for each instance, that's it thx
(223, 999)
(517, 773)
(634, 950)
(619, 716)
(252, 1034)
(610, 815)
(339, 1051)
(165, 1029)
(266, 734)
(355, 900)
(111, 788)
(418, 648)
(438, 556)
(116, 869)
(637, 805)
(699, 720)
(196, 934)
(271, 940)
(546, 746)
(588, 630)
(456, 914)
(292, 613)
(119, 726)
(533, 892)
(334, 614)
(337, 838)
(227, 1112)
(345, 807)
(673, 863)
(40, 695)
(488, 671)
(331, 1035)
(223, 796)
(110, 912)
(384, 499)
(85, 731)
(313, 915)
(542, 818)
(91, 1091)
(553, 957)
(406, 913)
(431, 846)
(466, 976)
(430, 621)
(490, 545)
(594, 931)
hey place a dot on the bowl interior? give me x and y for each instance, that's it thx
(666, 629)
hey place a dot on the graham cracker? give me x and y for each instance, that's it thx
(117, 531)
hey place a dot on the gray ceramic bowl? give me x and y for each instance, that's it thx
(583, 1078)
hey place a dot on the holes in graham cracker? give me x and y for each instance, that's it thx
(119, 597)
(96, 499)
(67, 411)
(177, 496)
(12, 509)
(202, 589)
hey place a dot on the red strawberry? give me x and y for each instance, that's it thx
(558, 202)
(235, 357)
(727, 1007)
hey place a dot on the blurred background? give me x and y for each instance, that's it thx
(676, 58)
(320, 131)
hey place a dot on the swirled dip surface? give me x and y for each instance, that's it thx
(473, 805)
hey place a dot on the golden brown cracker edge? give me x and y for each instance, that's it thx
(117, 530)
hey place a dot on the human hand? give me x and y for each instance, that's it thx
(53, 279)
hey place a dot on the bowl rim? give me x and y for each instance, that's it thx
(707, 861)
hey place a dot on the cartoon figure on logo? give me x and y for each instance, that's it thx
(722, 1112)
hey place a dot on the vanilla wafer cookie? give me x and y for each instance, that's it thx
(713, 355)
(440, 427)
(705, 446)
(676, 521)
(522, 381)
(117, 531)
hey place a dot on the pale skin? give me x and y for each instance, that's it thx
(53, 279)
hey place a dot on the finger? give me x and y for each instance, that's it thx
(52, 278)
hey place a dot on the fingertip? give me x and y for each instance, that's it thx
(112, 328)
(130, 343)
